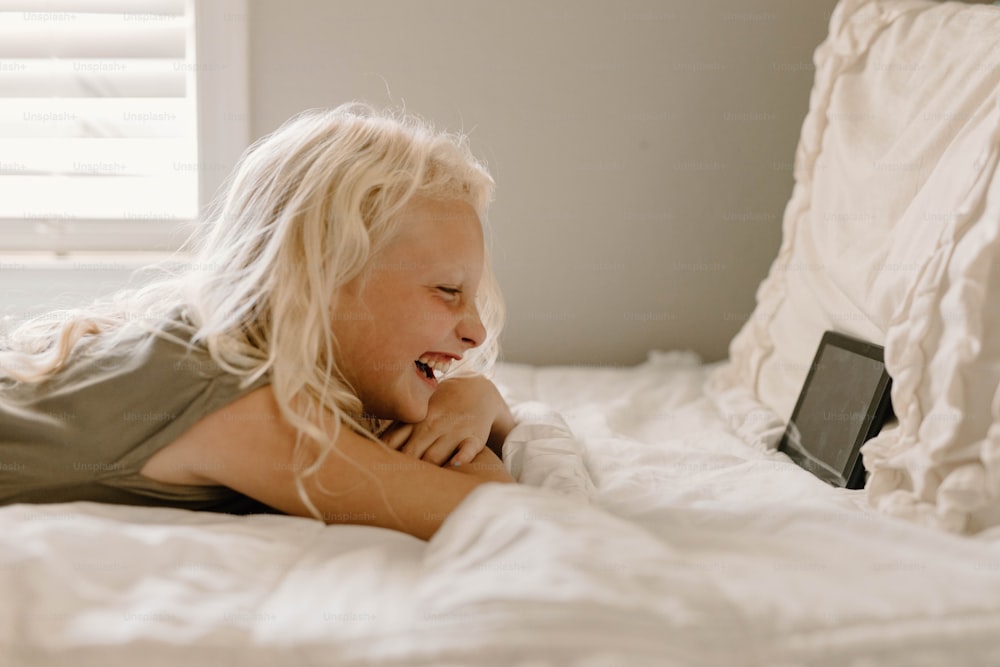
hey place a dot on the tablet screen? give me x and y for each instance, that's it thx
(842, 404)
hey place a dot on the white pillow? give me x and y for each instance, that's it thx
(890, 236)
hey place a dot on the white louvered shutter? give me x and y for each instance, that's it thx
(98, 124)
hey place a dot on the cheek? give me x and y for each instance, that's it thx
(418, 318)
(435, 321)
(357, 334)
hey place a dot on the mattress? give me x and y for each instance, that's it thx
(654, 525)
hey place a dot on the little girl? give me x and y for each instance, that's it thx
(318, 357)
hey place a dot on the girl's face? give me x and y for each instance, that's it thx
(413, 311)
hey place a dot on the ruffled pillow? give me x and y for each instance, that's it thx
(890, 235)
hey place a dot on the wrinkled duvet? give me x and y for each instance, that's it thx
(654, 525)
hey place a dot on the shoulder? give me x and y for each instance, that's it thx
(249, 425)
(250, 447)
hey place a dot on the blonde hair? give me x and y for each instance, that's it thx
(304, 211)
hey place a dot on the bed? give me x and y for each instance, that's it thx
(655, 522)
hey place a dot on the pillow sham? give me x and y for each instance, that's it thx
(890, 236)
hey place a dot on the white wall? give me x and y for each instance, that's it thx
(642, 148)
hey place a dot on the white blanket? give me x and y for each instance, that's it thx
(653, 526)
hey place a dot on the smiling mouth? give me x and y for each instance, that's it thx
(433, 366)
(425, 369)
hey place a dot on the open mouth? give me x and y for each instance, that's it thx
(433, 369)
(426, 370)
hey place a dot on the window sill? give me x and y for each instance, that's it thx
(129, 260)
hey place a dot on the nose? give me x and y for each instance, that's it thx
(470, 328)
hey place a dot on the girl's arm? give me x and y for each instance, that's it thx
(465, 415)
(247, 446)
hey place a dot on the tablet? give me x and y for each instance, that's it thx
(844, 402)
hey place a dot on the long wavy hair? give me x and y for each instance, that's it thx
(302, 214)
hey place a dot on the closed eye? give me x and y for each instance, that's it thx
(450, 291)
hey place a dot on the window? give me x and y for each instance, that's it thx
(118, 119)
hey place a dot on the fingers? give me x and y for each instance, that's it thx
(445, 451)
(422, 442)
(467, 450)
(418, 441)
(398, 435)
(439, 451)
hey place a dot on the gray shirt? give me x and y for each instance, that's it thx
(86, 433)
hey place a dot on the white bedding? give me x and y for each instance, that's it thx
(653, 527)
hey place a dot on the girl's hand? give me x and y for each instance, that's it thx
(465, 414)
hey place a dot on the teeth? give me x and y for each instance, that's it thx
(440, 367)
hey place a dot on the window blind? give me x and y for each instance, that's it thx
(98, 124)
